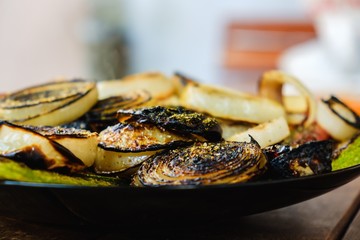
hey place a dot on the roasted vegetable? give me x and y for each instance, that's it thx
(176, 119)
(341, 122)
(14, 171)
(157, 84)
(103, 114)
(53, 103)
(308, 159)
(229, 104)
(126, 145)
(265, 134)
(271, 86)
(25, 145)
(75, 140)
(349, 156)
(203, 164)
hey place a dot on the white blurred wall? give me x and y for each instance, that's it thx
(42, 39)
(39, 41)
(188, 36)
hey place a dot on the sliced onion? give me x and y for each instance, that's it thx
(229, 104)
(271, 86)
(75, 140)
(66, 113)
(52, 104)
(157, 84)
(35, 150)
(337, 119)
(265, 134)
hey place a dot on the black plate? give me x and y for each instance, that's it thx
(72, 205)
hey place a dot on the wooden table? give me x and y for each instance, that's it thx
(334, 215)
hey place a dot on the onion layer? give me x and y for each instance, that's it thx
(228, 104)
(265, 134)
(271, 86)
(203, 164)
(50, 104)
(337, 119)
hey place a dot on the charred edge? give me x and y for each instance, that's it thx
(335, 100)
(153, 147)
(21, 92)
(65, 105)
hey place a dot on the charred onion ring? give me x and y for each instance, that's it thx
(203, 164)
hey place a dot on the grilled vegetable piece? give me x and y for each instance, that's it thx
(349, 156)
(51, 104)
(157, 84)
(177, 119)
(265, 134)
(35, 150)
(308, 159)
(271, 85)
(15, 171)
(82, 143)
(126, 145)
(203, 164)
(103, 114)
(229, 104)
(341, 122)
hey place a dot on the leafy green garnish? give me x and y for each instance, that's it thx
(11, 170)
(349, 157)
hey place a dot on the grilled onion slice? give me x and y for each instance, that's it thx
(338, 119)
(103, 114)
(51, 104)
(123, 146)
(265, 134)
(35, 150)
(203, 164)
(176, 119)
(157, 84)
(271, 86)
(228, 104)
(82, 143)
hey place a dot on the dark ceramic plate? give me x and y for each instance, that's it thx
(72, 205)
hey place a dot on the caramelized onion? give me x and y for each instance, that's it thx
(271, 86)
(203, 164)
(338, 119)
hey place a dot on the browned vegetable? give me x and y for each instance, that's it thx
(176, 119)
(307, 159)
(25, 145)
(203, 164)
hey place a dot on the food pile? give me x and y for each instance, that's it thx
(149, 129)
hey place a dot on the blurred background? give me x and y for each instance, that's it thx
(229, 42)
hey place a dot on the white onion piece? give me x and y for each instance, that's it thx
(108, 161)
(265, 134)
(66, 113)
(229, 104)
(335, 121)
(271, 85)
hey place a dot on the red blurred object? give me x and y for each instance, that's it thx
(259, 45)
